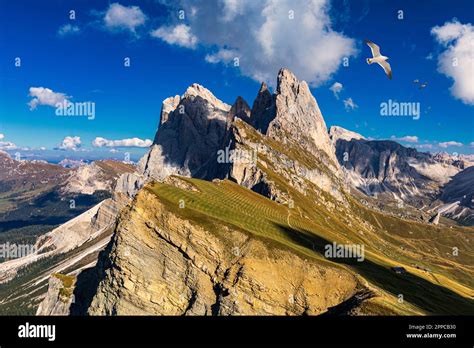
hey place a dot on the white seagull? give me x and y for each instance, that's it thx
(378, 58)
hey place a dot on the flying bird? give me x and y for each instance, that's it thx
(416, 81)
(423, 85)
(378, 58)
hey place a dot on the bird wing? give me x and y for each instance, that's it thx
(386, 67)
(374, 48)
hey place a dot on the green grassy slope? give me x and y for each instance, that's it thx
(310, 225)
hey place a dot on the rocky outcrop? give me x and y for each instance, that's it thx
(263, 110)
(191, 131)
(456, 200)
(435, 219)
(298, 117)
(239, 109)
(108, 211)
(59, 297)
(292, 141)
(389, 170)
(97, 176)
(385, 166)
(336, 133)
(161, 264)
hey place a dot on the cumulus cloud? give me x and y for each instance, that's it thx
(223, 55)
(180, 35)
(424, 146)
(349, 104)
(133, 142)
(119, 17)
(336, 88)
(68, 29)
(45, 96)
(266, 36)
(407, 138)
(7, 145)
(449, 143)
(70, 143)
(457, 60)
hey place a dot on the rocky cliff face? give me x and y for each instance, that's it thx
(298, 118)
(97, 176)
(159, 263)
(291, 140)
(456, 200)
(59, 297)
(192, 129)
(240, 109)
(435, 183)
(385, 167)
(263, 110)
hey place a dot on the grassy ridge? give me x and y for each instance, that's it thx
(309, 226)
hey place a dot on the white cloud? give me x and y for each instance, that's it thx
(7, 145)
(449, 143)
(223, 55)
(336, 88)
(424, 146)
(232, 8)
(68, 29)
(45, 96)
(407, 138)
(180, 35)
(268, 35)
(133, 142)
(119, 17)
(471, 144)
(70, 143)
(457, 60)
(349, 104)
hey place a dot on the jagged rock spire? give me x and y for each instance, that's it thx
(295, 115)
(239, 109)
(262, 109)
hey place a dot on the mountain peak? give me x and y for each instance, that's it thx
(297, 116)
(239, 109)
(196, 90)
(168, 106)
(336, 133)
(263, 88)
(286, 79)
(261, 115)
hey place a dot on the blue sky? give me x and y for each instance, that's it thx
(82, 59)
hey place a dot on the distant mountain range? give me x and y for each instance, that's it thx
(232, 212)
